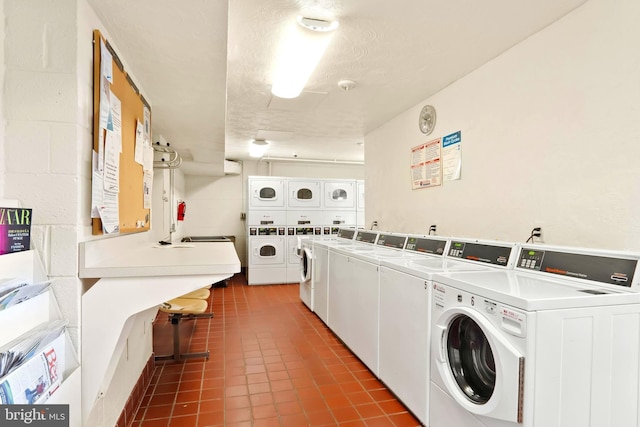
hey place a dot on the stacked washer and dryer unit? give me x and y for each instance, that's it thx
(282, 212)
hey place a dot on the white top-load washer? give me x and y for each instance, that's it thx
(354, 288)
(553, 343)
(405, 295)
(353, 301)
(319, 261)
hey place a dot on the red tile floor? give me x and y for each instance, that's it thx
(272, 363)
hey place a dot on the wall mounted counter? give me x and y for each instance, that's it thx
(132, 278)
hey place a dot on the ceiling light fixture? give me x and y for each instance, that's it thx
(258, 147)
(300, 51)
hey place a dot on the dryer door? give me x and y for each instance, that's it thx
(478, 365)
(266, 194)
(304, 194)
(339, 195)
(267, 251)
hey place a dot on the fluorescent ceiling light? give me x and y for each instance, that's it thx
(258, 147)
(299, 54)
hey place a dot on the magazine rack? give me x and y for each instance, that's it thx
(28, 314)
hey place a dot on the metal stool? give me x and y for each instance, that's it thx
(178, 309)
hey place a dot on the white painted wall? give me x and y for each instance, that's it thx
(307, 170)
(215, 204)
(550, 136)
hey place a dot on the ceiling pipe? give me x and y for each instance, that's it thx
(295, 159)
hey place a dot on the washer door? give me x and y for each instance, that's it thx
(306, 260)
(479, 366)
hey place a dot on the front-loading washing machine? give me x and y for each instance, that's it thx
(405, 292)
(306, 267)
(295, 237)
(266, 255)
(553, 343)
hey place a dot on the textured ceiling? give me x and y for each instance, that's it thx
(206, 66)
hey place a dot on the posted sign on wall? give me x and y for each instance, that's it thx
(452, 163)
(426, 168)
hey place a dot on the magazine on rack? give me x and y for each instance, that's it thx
(38, 378)
(9, 284)
(15, 291)
(21, 349)
(15, 230)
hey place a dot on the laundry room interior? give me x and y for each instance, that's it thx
(448, 184)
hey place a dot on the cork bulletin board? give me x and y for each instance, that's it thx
(132, 216)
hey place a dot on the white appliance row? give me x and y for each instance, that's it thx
(282, 210)
(279, 193)
(466, 339)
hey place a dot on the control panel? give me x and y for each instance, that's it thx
(425, 245)
(391, 241)
(599, 268)
(481, 252)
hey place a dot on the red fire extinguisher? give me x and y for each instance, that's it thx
(182, 209)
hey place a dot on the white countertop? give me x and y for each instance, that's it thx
(98, 260)
(139, 275)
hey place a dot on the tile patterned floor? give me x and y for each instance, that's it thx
(272, 363)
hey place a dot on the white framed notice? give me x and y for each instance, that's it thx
(426, 168)
(451, 156)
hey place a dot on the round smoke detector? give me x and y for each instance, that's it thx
(346, 85)
(319, 25)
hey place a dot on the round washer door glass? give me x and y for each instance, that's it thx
(471, 359)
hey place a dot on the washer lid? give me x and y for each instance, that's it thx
(426, 266)
(531, 292)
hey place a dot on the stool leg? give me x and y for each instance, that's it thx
(177, 355)
(175, 322)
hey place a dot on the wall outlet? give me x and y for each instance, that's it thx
(537, 233)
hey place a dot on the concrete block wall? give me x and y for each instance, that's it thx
(46, 102)
(41, 135)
